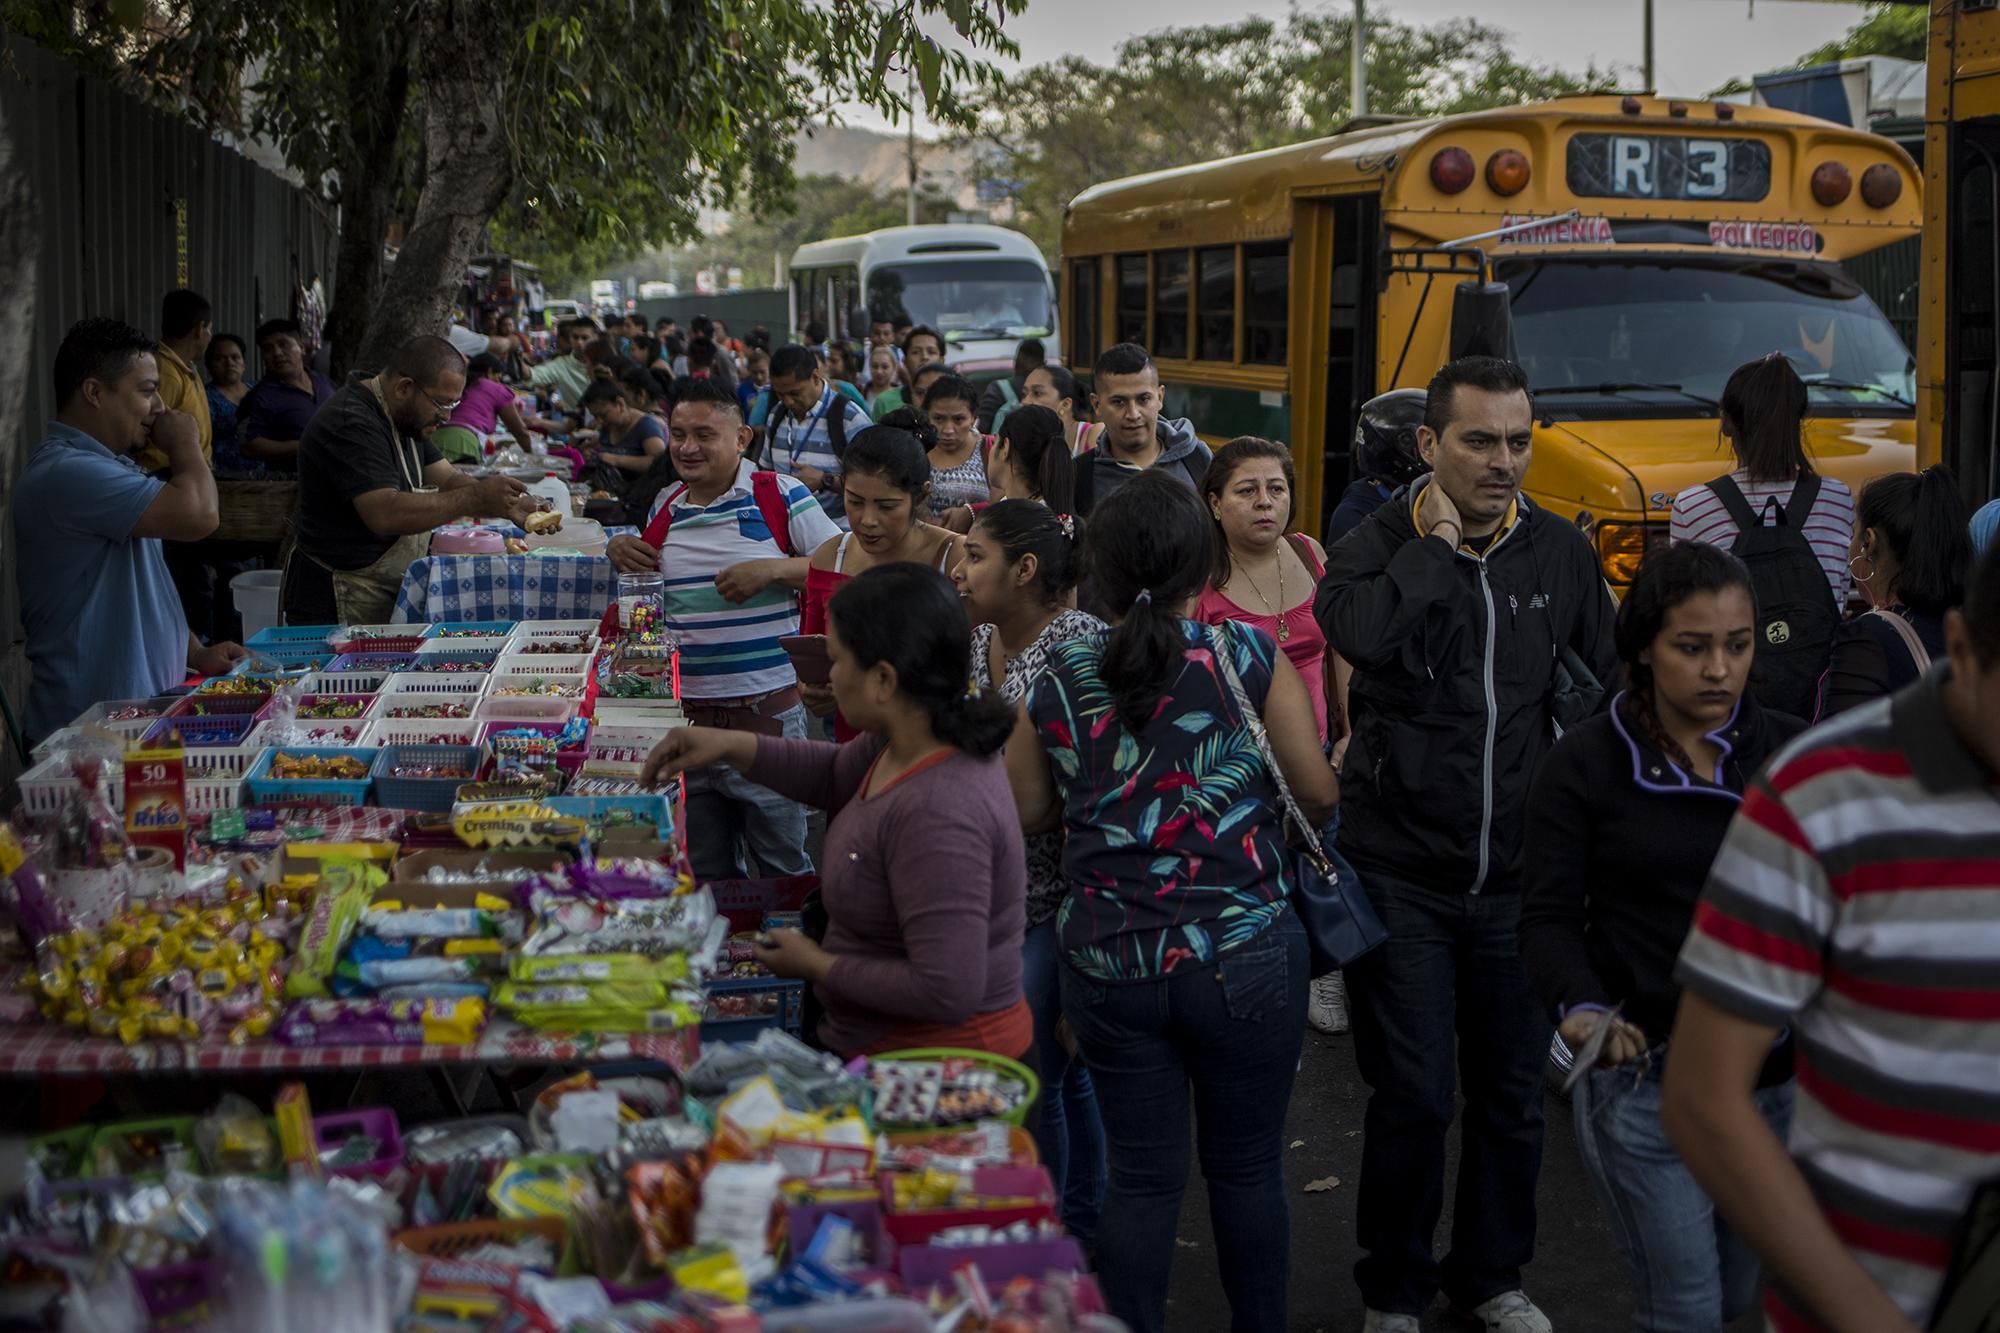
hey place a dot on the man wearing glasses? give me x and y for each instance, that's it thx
(372, 486)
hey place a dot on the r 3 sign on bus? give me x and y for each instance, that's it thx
(1668, 166)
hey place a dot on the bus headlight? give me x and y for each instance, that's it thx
(1451, 170)
(1881, 185)
(1623, 547)
(1507, 171)
(1831, 184)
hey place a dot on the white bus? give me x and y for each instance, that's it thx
(984, 288)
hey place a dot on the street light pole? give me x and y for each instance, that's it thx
(1651, 86)
(910, 145)
(1358, 72)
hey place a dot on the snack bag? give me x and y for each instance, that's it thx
(345, 890)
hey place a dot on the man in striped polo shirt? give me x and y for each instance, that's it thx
(1857, 901)
(730, 595)
(811, 423)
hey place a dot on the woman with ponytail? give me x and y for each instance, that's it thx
(1912, 556)
(924, 878)
(1029, 461)
(1018, 576)
(1763, 418)
(1184, 968)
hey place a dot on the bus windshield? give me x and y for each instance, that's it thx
(965, 299)
(1675, 327)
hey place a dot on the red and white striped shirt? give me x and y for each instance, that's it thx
(1700, 516)
(1857, 899)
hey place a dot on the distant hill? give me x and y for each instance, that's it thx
(846, 150)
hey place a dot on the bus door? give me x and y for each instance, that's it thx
(1972, 258)
(1337, 279)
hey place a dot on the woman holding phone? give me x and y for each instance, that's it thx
(925, 879)
(884, 480)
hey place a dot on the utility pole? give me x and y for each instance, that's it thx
(1358, 71)
(910, 145)
(1651, 86)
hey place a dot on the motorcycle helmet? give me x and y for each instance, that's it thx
(1385, 437)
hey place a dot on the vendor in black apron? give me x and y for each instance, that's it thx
(372, 486)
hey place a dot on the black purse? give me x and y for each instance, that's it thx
(1340, 922)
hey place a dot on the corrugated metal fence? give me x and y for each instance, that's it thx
(133, 203)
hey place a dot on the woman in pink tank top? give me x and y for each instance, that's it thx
(1265, 576)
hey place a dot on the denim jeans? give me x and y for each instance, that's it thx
(1690, 1272)
(1447, 982)
(1230, 1032)
(739, 830)
(1071, 1137)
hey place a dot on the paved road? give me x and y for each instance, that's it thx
(1577, 1276)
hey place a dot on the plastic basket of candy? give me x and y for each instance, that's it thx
(455, 661)
(291, 636)
(358, 673)
(378, 638)
(367, 1142)
(738, 1008)
(941, 1085)
(275, 731)
(424, 777)
(48, 784)
(310, 775)
(421, 730)
(331, 708)
(130, 718)
(415, 694)
(278, 660)
(471, 629)
(208, 719)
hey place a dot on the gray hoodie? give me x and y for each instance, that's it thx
(1182, 454)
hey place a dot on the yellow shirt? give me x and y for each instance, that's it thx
(182, 391)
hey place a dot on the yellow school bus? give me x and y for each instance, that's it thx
(1630, 252)
(1958, 393)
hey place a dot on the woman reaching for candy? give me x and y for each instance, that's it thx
(925, 879)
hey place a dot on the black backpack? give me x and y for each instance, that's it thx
(836, 430)
(1796, 612)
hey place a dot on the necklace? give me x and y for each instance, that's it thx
(1284, 627)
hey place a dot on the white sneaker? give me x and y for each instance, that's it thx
(1378, 1322)
(1512, 1312)
(1326, 1004)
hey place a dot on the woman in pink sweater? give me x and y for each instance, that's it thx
(925, 879)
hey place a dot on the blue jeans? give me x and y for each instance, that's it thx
(1071, 1137)
(1230, 1031)
(1690, 1272)
(1442, 1003)
(739, 830)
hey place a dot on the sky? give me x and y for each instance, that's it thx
(1689, 34)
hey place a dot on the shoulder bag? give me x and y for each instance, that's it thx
(1340, 922)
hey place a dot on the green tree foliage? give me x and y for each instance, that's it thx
(575, 123)
(1186, 95)
(1900, 30)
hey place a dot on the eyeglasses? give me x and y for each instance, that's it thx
(446, 408)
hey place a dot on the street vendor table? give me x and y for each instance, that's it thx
(49, 1048)
(508, 587)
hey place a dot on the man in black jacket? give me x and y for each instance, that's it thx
(1453, 602)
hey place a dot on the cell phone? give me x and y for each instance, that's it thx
(811, 658)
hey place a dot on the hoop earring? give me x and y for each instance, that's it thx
(1859, 577)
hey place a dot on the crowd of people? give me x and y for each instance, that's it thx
(1056, 671)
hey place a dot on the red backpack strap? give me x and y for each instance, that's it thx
(655, 535)
(770, 497)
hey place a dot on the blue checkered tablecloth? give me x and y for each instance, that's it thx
(507, 587)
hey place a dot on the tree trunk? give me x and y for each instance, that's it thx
(20, 245)
(377, 81)
(468, 168)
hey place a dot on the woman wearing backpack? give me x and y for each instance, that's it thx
(1783, 520)
(1912, 552)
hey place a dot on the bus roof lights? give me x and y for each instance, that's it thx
(1678, 110)
(1881, 185)
(1831, 184)
(1629, 105)
(1507, 172)
(1725, 111)
(1452, 170)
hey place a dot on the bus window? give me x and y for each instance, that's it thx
(1215, 304)
(1132, 299)
(1083, 311)
(1170, 305)
(1266, 303)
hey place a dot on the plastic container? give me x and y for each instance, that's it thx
(47, 785)
(434, 795)
(882, 1314)
(292, 636)
(451, 686)
(378, 638)
(230, 761)
(469, 662)
(922, 1266)
(359, 673)
(645, 807)
(553, 489)
(642, 591)
(225, 720)
(255, 593)
(262, 789)
(449, 630)
(162, 1130)
(279, 660)
(368, 702)
(455, 1238)
(317, 731)
(131, 728)
(206, 795)
(1028, 1183)
(554, 629)
(525, 708)
(542, 664)
(779, 1003)
(176, 1295)
(998, 1063)
(517, 673)
(420, 731)
(378, 1123)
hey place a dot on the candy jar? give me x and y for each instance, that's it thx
(642, 606)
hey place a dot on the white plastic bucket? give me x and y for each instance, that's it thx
(256, 595)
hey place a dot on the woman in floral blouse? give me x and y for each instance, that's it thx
(1184, 967)
(1017, 575)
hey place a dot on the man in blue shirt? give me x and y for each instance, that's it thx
(102, 618)
(811, 423)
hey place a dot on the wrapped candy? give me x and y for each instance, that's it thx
(454, 1022)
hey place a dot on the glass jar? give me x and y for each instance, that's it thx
(642, 607)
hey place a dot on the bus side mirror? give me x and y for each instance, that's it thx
(1482, 320)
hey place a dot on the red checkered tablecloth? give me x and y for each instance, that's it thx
(44, 1048)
